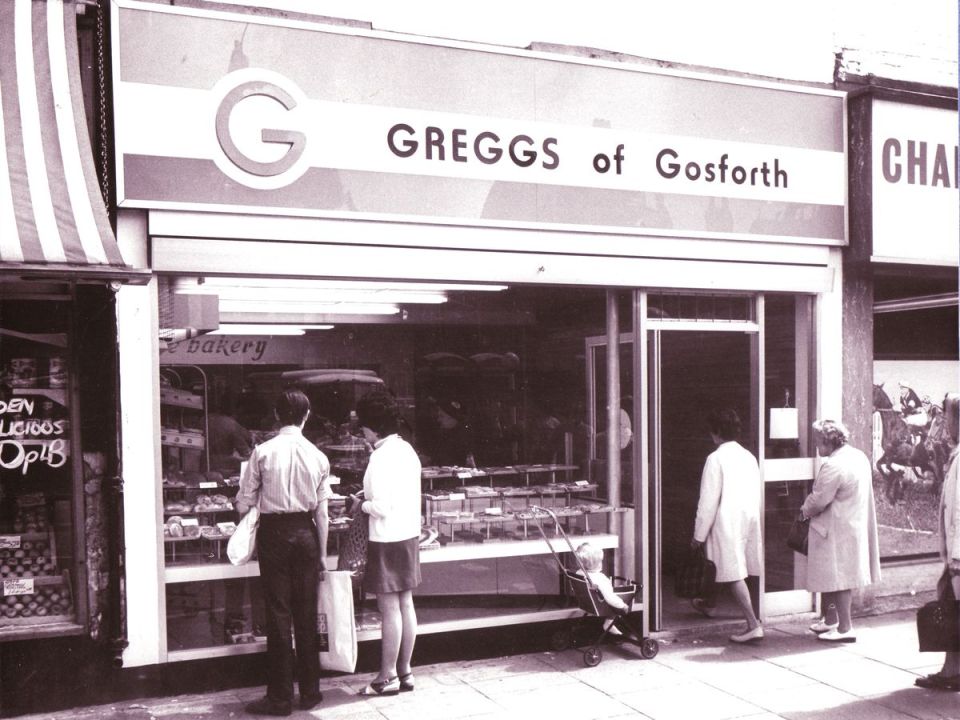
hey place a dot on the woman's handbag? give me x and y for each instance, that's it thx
(695, 576)
(799, 535)
(243, 542)
(336, 627)
(938, 622)
(353, 547)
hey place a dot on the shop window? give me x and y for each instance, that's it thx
(38, 481)
(915, 365)
(492, 386)
(789, 349)
(789, 386)
(692, 307)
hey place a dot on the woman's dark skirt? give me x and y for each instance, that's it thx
(392, 566)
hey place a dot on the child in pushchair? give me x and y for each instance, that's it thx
(597, 596)
(591, 560)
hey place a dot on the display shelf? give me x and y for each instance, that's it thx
(174, 438)
(448, 553)
(53, 339)
(551, 490)
(453, 552)
(180, 398)
(182, 410)
(58, 395)
(39, 536)
(199, 510)
(38, 630)
(446, 472)
(210, 571)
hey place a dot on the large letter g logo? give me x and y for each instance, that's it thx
(265, 172)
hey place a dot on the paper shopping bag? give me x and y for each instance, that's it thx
(336, 627)
(243, 542)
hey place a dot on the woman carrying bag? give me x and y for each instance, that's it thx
(391, 486)
(728, 519)
(948, 678)
(843, 549)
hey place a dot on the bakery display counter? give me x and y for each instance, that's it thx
(486, 559)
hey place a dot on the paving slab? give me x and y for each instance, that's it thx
(789, 675)
(687, 700)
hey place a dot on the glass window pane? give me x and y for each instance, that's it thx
(37, 560)
(790, 397)
(216, 612)
(714, 307)
(492, 386)
(784, 569)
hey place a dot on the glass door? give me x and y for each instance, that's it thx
(690, 373)
(755, 355)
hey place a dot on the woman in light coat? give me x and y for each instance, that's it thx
(728, 519)
(843, 547)
(948, 678)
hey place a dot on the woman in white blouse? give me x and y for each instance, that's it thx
(391, 487)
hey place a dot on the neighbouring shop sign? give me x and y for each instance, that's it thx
(916, 205)
(224, 111)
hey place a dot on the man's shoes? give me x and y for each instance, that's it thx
(266, 706)
(937, 681)
(821, 626)
(309, 702)
(838, 637)
(701, 607)
(749, 635)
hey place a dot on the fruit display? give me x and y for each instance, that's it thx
(32, 559)
(34, 590)
(49, 601)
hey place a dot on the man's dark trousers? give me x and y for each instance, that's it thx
(288, 550)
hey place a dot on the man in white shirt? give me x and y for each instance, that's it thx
(287, 477)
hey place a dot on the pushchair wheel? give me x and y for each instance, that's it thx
(561, 640)
(649, 648)
(592, 657)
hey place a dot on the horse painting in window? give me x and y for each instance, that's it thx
(915, 444)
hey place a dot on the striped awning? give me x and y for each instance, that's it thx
(52, 216)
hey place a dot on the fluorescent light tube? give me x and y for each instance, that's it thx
(263, 329)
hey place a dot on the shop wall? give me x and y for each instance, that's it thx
(878, 37)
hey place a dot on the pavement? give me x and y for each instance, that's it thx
(790, 674)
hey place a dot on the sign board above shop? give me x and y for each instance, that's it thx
(242, 113)
(916, 205)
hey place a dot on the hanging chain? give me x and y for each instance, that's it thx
(102, 98)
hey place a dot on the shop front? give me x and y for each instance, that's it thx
(902, 266)
(476, 230)
(59, 266)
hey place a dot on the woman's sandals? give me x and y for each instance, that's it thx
(390, 686)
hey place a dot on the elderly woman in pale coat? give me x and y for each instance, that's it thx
(728, 519)
(843, 548)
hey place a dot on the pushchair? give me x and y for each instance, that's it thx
(590, 600)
